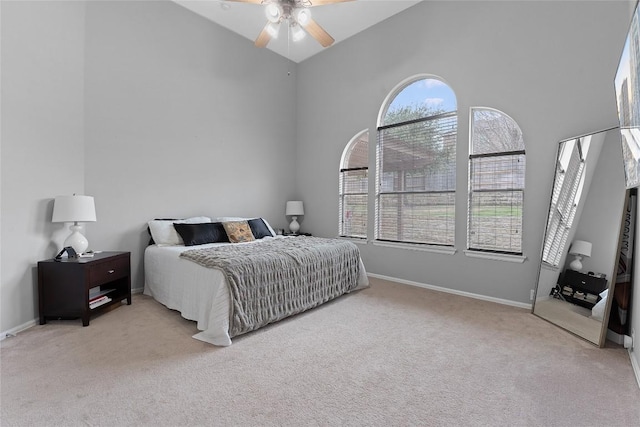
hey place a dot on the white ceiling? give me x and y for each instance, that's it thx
(340, 20)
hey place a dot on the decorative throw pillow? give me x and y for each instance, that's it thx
(199, 234)
(238, 218)
(238, 231)
(259, 228)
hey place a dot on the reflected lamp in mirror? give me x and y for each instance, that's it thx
(74, 209)
(579, 249)
(294, 209)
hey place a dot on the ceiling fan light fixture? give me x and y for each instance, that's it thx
(273, 29)
(273, 12)
(297, 33)
(302, 16)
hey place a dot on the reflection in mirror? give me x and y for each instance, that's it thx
(631, 155)
(580, 246)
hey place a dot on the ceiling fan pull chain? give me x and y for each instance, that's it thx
(288, 48)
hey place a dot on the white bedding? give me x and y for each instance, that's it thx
(198, 293)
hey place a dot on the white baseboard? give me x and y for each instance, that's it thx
(635, 366)
(14, 331)
(615, 337)
(452, 291)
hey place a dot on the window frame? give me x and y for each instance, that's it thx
(380, 192)
(473, 157)
(567, 186)
(341, 185)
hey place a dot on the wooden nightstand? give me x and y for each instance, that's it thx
(63, 285)
(582, 289)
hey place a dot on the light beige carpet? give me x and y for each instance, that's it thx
(388, 355)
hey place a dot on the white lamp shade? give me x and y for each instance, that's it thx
(297, 33)
(303, 16)
(273, 29)
(74, 209)
(294, 208)
(580, 247)
(273, 12)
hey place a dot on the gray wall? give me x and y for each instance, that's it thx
(549, 65)
(601, 217)
(183, 118)
(42, 140)
(149, 108)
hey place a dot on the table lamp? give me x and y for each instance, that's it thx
(579, 249)
(74, 209)
(294, 209)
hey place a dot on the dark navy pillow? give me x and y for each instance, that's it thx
(199, 234)
(259, 228)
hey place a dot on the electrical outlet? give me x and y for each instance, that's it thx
(532, 294)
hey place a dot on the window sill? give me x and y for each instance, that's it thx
(549, 267)
(495, 257)
(416, 247)
(356, 240)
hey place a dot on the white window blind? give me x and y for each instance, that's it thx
(416, 180)
(496, 183)
(354, 187)
(566, 190)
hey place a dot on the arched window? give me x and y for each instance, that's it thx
(496, 182)
(354, 187)
(416, 157)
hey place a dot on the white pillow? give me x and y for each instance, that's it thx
(237, 218)
(597, 312)
(164, 233)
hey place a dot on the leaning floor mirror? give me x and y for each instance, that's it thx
(582, 237)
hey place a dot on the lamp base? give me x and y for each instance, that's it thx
(294, 227)
(576, 264)
(76, 240)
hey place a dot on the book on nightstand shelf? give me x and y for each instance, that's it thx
(98, 296)
(99, 301)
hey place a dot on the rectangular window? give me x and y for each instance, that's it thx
(416, 180)
(354, 187)
(495, 202)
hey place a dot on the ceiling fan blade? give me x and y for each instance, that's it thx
(324, 2)
(264, 38)
(318, 33)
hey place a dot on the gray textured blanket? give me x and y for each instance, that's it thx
(275, 278)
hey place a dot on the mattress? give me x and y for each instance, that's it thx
(200, 294)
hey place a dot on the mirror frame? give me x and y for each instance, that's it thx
(614, 258)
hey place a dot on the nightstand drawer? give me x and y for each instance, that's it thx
(584, 282)
(108, 271)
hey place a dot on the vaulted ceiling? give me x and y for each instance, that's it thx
(341, 20)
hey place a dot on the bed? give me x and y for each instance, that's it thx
(176, 275)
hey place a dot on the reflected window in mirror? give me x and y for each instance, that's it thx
(567, 190)
(496, 182)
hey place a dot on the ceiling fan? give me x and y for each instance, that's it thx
(298, 16)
